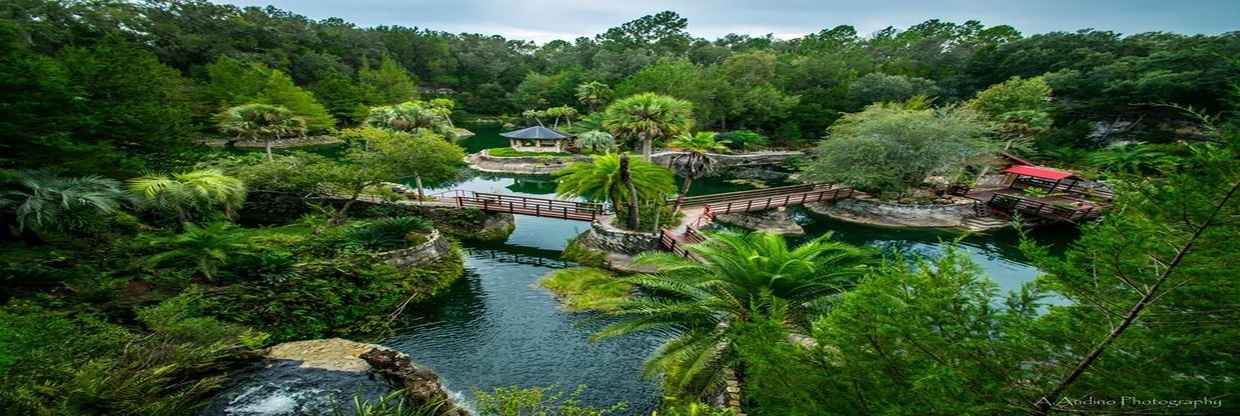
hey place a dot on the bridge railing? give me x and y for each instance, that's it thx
(541, 207)
(775, 201)
(698, 200)
(1012, 203)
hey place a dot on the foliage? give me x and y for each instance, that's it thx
(261, 120)
(515, 401)
(387, 156)
(889, 148)
(694, 162)
(1021, 107)
(739, 278)
(878, 87)
(387, 233)
(595, 141)
(593, 94)
(1131, 159)
(191, 195)
(587, 289)
(280, 190)
(233, 83)
(44, 201)
(394, 404)
(599, 180)
(411, 116)
(577, 252)
(388, 84)
(647, 117)
(743, 139)
(205, 247)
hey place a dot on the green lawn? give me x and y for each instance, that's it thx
(587, 288)
(510, 152)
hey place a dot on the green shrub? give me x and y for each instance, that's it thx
(387, 233)
(543, 401)
(583, 288)
(743, 140)
(579, 253)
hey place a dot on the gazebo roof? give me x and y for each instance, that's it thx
(536, 133)
(1040, 172)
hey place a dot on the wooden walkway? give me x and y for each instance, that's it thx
(1053, 208)
(515, 204)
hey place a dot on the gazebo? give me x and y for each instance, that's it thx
(1048, 179)
(537, 139)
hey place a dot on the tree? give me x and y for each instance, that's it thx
(410, 116)
(877, 87)
(735, 279)
(889, 148)
(190, 194)
(647, 117)
(388, 84)
(1021, 107)
(234, 83)
(593, 94)
(388, 156)
(342, 96)
(261, 120)
(207, 247)
(565, 112)
(693, 163)
(44, 201)
(615, 179)
(595, 141)
(443, 107)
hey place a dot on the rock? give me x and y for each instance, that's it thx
(775, 221)
(435, 248)
(604, 237)
(894, 214)
(309, 378)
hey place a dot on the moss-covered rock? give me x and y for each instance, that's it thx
(587, 288)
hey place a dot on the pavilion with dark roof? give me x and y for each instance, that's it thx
(537, 139)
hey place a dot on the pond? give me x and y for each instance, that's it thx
(495, 327)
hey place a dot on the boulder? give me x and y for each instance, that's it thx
(774, 221)
(316, 377)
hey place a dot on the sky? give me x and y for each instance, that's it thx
(546, 20)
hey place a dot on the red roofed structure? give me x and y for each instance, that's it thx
(1040, 172)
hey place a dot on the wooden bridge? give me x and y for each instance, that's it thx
(516, 204)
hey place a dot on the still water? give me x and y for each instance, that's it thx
(495, 327)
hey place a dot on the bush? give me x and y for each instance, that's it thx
(743, 140)
(387, 233)
(543, 401)
(579, 253)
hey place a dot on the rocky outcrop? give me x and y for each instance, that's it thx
(607, 238)
(531, 165)
(434, 248)
(774, 221)
(308, 378)
(878, 212)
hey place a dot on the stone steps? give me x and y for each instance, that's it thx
(983, 223)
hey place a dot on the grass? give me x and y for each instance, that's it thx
(510, 152)
(587, 288)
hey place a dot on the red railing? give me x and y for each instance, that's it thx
(1012, 203)
(540, 207)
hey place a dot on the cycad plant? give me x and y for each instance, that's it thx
(44, 201)
(694, 163)
(616, 179)
(206, 247)
(188, 194)
(736, 278)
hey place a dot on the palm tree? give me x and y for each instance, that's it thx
(410, 116)
(693, 163)
(207, 247)
(188, 193)
(593, 94)
(615, 179)
(647, 117)
(565, 112)
(45, 201)
(269, 122)
(596, 141)
(736, 279)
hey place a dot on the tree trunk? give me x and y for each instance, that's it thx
(1044, 404)
(647, 143)
(684, 191)
(268, 146)
(632, 222)
(417, 180)
(339, 217)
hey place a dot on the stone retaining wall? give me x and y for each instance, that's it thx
(604, 237)
(530, 165)
(736, 160)
(433, 249)
(892, 214)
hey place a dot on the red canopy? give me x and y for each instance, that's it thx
(1040, 172)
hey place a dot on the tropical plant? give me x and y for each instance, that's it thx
(693, 163)
(255, 121)
(410, 116)
(206, 247)
(595, 141)
(388, 156)
(1131, 159)
(443, 107)
(616, 179)
(562, 112)
(647, 117)
(734, 279)
(593, 94)
(395, 403)
(189, 194)
(743, 139)
(45, 201)
(540, 401)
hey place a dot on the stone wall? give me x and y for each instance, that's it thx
(433, 249)
(891, 214)
(604, 237)
(531, 165)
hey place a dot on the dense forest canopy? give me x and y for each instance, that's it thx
(144, 75)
